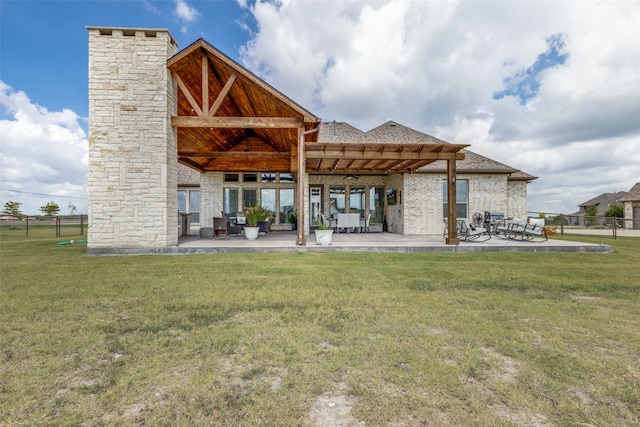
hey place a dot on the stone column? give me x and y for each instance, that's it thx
(132, 145)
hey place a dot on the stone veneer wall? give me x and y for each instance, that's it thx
(132, 145)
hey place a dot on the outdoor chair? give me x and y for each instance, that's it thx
(364, 223)
(469, 232)
(265, 227)
(512, 229)
(535, 228)
(220, 226)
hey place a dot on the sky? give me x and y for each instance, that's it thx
(548, 87)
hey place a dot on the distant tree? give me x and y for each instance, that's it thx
(614, 211)
(12, 209)
(72, 208)
(50, 209)
(590, 213)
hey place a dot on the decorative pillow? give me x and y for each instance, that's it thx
(537, 222)
(519, 221)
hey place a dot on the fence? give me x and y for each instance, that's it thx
(56, 226)
(572, 224)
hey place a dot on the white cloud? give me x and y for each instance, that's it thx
(41, 152)
(435, 66)
(185, 13)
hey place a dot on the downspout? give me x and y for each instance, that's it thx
(301, 239)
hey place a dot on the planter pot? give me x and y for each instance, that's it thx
(251, 233)
(323, 237)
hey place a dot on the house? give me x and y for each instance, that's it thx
(602, 203)
(196, 134)
(632, 207)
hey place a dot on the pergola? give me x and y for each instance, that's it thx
(229, 120)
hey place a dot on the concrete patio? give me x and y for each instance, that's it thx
(285, 241)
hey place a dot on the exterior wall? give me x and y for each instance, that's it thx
(132, 146)
(517, 199)
(488, 193)
(211, 200)
(422, 200)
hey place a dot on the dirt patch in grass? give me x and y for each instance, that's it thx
(333, 409)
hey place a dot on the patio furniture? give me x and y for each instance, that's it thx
(347, 222)
(265, 227)
(469, 232)
(446, 228)
(364, 223)
(220, 226)
(535, 228)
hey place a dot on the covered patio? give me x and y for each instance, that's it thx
(230, 121)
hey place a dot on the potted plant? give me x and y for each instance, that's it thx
(324, 233)
(254, 214)
(292, 219)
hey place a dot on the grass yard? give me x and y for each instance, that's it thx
(318, 339)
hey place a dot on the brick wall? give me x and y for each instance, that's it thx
(132, 146)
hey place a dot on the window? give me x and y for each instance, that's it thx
(336, 200)
(357, 199)
(250, 177)
(286, 178)
(231, 177)
(194, 205)
(182, 201)
(249, 197)
(268, 199)
(287, 203)
(462, 197)
(376, 204)
(230, 201)
(268, 177)
(189, 203)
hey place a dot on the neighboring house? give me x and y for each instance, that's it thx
(177, 138)
(602, 203)
(632, 207)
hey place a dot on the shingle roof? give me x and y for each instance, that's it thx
(393, 132)
(605, 199)
(633, 195)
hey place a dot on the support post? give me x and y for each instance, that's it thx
(301, 239)
(452, 235)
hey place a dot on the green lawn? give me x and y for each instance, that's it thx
(496, 339)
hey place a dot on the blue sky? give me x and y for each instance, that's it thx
(551, 88)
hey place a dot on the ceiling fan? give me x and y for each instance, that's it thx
(349, 177)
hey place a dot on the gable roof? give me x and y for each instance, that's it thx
(228, 118)
(605, 199)
(633, 195)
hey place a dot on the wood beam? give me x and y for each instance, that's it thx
(452, 229)
(205, 83)
(222, 95)
(188, 95)
(235, 154)
(236, 122)
(382, 155)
